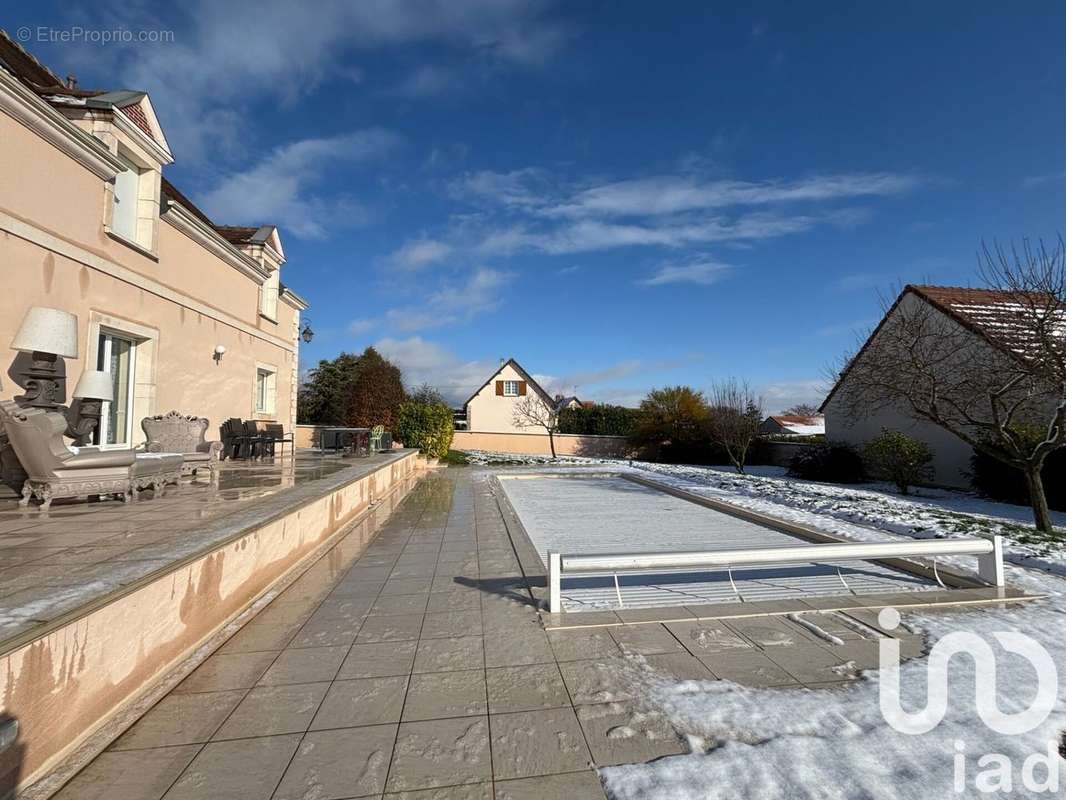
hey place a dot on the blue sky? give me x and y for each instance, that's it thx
(619, 195)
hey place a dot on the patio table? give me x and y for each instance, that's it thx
(337, 438)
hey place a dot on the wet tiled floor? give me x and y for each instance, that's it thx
(55, 561)
(421, 669)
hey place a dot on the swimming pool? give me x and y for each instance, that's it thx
(591, 514)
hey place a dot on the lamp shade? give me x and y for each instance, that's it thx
(94, 384)
(48, 330)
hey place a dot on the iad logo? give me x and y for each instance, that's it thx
(999, 773)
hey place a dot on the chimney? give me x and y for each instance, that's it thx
(72, 81)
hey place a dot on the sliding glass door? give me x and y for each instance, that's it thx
(116, 355)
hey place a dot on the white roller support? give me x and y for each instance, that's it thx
(989, 552)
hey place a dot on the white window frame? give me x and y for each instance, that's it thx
(268, 296)
(104, 356)
(126, 208)
(265, 399)
(514, 386)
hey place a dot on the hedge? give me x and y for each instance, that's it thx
(598, 420)
(428, 427)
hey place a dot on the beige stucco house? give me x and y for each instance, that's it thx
(89, 225)
(977, 318)
(491, 409)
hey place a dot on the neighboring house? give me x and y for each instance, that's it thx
(491, 408)
(89, 225)
(567, 402)
(985, 315)
(793, 425)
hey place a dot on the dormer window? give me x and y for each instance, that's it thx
(268, 297)
(124, 210)
(134, 203)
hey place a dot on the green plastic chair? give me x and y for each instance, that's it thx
(376, 434)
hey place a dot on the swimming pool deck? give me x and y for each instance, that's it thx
(422, 667)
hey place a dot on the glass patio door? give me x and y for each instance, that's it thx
(115, 356)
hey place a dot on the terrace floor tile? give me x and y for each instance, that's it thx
(544, 742)
(440, 752)
(352, 762)
(242, 769)
(362, 701)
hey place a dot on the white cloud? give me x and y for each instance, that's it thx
(701, 273)
(357, 327)
(423, 361)
(241, 51)
(429, 79)
(452, 304)
(277, 189)
(537, 211)
(785, 394)
(658, 195)
(527, 188)
(420, 253)
(1040, 180)
(593, 235)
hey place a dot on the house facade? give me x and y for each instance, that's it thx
(491, 409)
(976, 318)
(793, 425)
(182, 312)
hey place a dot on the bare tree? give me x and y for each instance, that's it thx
(801, 410)
(992, 373)
(532, 411)
(736, 412)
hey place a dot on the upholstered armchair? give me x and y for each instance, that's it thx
(177, 433)
(53, 469)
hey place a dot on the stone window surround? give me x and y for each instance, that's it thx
(269, 413)
(144, 377)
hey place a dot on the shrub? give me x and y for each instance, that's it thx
(899, 458)
(999, 481)
(835, 462)
(598, 420)
(426, 426)
(671, 419)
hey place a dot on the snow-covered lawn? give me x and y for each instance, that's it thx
(774, 744)
(799, 744)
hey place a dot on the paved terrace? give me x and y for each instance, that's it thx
(56, 561)
(419, 667)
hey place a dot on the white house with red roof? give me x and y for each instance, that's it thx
(987, 318)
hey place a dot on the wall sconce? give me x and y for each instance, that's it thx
(307, 334)
(220, 350)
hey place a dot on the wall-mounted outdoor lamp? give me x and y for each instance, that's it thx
(307, 334)
(47, 334)
(220, 350)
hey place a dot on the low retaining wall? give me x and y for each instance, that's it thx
(306, 435)
(65, 683)
(566, 444)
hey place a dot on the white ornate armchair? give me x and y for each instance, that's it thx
(176, 433)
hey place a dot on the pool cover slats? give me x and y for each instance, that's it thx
(586, 515)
